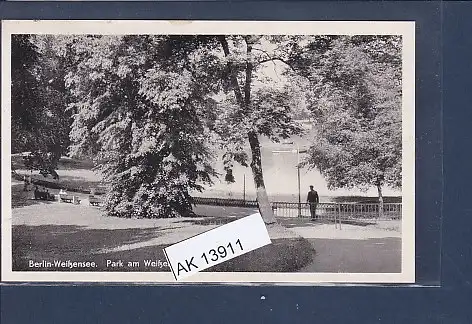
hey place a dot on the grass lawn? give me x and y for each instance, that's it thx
(49, 243)
(49, 231)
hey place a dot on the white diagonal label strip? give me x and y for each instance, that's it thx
(217, 245)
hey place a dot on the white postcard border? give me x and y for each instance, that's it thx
(404, 28)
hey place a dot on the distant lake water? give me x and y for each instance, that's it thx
(280, 176)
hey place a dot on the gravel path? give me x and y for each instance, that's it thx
(348, 232)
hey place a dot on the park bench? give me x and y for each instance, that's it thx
(69, 199)
(94, 201)
(43, 195)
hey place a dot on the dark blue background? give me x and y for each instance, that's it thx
(444, 54)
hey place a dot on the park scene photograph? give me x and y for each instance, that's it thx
(117, 145)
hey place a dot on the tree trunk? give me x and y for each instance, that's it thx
(265, 208)
(381, 202)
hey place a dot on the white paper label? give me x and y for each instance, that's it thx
(217, 245)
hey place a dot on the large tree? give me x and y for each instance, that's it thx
(255, 106)
(39, 121)
(152, 107)
(139, 107)
(355, 94)
(26, 98)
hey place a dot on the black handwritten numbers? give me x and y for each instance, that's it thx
(205, 257)
(216, 246)
(231, 247)
(240, 245)
(214, 255)
(222, 252)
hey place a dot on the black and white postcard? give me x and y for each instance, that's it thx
(122, 138)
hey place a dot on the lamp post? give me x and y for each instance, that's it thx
(297, 150)
(244, 189)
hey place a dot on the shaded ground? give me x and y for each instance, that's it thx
(353, 248)
(283, 255)
(380, 255)
(45, 232)
(75, 243)
(50, 243)
(20, 198)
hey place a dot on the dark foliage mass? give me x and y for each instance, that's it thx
(40, 123)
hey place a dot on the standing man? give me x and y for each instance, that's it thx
(25, 183)
(313, 200)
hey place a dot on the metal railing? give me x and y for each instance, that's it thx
(225, 202)
(339, 211)
(324, 211)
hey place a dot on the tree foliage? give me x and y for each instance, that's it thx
(253, 105)
(153, 108)
(356, 97)
(39, 122)
(142, 115)
(25, 93)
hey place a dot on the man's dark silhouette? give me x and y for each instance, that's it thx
(36, 193)
(313, 200)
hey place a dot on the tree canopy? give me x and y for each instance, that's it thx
(355, 94)
(153, 110)
(140, 107)
(39, 122)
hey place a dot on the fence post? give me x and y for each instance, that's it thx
(339, 215)
(335, 217)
